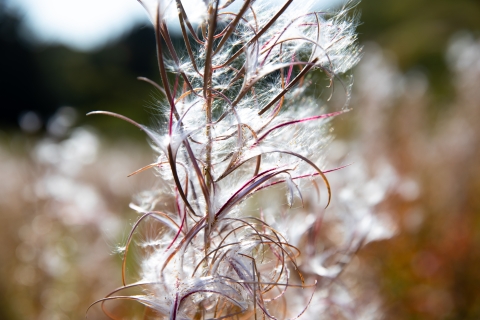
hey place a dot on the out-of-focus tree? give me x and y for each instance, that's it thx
(21, 82)
(418, 31)
(43, 78)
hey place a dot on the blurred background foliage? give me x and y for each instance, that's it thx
(416, 105)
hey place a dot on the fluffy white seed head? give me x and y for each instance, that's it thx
(238, 124)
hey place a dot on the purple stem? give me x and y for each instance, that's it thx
(323, 116)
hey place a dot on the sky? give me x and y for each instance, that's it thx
(87, 24)
(80, 24)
